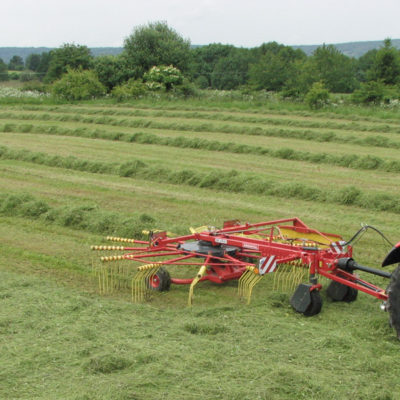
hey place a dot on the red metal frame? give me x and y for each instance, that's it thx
(255, 242)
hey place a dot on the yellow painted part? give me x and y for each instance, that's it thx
(288, 276)
(247, 282)
(107, 248)
(111, 277)
(199, 229)
(250, 236)
(312, 237)
(195, 281)
(119, 239)
(146, 232)
(140, 289)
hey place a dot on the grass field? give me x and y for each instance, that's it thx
(72, 174)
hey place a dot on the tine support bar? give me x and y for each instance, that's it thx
(195, 281)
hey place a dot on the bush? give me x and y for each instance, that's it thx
(35, 86)
(369, 92)
(27, 76)
(163, 77)
(132, 89)
(317, 96)
(78, 85)
(202, 82)
(186, 89)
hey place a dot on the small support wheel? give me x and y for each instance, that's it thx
(315, 306)
(339, 292)
(306, 302)
(160, 281)
(351, 295)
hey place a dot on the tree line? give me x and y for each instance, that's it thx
(374, 77)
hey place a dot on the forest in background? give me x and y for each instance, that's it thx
(157, 58)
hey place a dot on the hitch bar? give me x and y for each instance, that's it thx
(348, 264)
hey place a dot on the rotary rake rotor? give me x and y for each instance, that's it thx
(287, 248)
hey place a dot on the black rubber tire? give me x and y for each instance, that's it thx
(339, 292)
(393, 302)
(351, 295)
(161, 281)
(316, 304)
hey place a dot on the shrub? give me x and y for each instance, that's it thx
(163, 77)
(186, 89)
(369, 92)
(317, 96)
(34, 86)
(78, 85)
(130, 89)
(27, 76)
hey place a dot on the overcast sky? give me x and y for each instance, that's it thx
(249, 23)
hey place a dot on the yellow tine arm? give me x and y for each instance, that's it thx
(195, 281)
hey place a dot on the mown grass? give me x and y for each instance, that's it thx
(348, 160)
(64, 189)
(196, 117)
(232, 181)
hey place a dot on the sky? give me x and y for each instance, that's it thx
(249, 23)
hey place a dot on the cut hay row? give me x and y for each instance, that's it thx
(231, 181)
(381, 140)
(348, 160)
(199, 117)
(322, 175)
(379, 116)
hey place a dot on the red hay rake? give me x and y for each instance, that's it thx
(287, 248)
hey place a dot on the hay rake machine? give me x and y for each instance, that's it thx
(286, 248)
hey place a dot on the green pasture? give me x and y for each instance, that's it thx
(72, 174)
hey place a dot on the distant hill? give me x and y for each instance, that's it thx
(6, 53)
(351, 49)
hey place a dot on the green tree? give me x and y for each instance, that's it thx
(156, 44)
(16, 64)
(365, 64)
(43, 66)
(231, 71)
(68, 56)
(112, 70)
(3, 71)
(204, 60)
(78, 85)
(386, 66)
(337, 71)
(277, 64)
(32, 62)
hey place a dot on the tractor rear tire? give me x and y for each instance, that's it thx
(393, 302)
(315, 306)
(160, 281)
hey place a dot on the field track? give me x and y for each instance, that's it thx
(72, 174)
